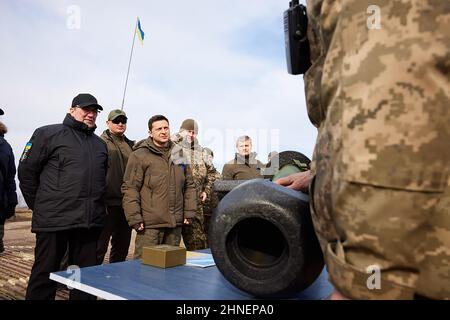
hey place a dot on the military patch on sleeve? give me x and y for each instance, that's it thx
(184, 166)
(26, 151)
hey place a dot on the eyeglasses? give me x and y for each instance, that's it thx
(89, 110)
(119, 120)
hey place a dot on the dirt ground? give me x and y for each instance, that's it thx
(17, 259)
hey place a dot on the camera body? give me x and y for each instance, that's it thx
(296, 40)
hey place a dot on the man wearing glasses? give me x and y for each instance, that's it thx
(62, 174)
(116, 226)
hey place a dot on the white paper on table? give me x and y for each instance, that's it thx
(199, 259)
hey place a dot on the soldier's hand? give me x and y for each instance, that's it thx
(139, 226)
(203, 196)
(187, 221)
(298, 181)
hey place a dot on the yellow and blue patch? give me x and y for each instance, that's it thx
(26, 151)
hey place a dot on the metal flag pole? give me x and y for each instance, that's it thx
(129, 64)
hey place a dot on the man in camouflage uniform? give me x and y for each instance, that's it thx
(188, 150)
(213, 201)
(380, 100)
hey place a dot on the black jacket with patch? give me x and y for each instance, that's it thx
(8, 196)
(62, 174)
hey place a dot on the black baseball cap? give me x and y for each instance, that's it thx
(84, 100)
(1, 112)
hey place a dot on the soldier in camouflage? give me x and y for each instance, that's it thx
(378, 92)
(213, 201)
(188, 150)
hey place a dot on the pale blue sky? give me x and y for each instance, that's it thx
(220, 62)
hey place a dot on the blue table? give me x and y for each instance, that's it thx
(132, 280)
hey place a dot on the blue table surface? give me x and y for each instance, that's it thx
(136, 281)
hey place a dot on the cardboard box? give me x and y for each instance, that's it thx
(164, 256)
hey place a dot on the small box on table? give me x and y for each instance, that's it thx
(164, 256)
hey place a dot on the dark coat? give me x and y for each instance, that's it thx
(8, 196)
(243, 168)
(62, 174)
(119, 150)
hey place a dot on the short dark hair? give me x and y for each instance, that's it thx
(243, 139)
(158, 117)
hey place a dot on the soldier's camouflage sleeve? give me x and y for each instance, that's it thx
(379, 95)
(211, 176)
(190, 195)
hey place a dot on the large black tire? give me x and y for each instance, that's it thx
(222, 187)
(263, 241)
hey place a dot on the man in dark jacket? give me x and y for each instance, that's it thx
(62, 174)
(116, 226)
(8, 196)
(244, 166)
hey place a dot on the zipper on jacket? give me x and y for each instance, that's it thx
(169, 167)
(90, 179)
(58, 177)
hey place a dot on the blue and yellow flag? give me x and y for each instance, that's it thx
(140, 32)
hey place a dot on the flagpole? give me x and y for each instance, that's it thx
(129, 64)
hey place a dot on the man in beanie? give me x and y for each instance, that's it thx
(62, 174)
(204, 174)
(116, 226)
(158, 191)
(244, 166)
(8, 196)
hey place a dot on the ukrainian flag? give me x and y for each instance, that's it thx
(140, 32)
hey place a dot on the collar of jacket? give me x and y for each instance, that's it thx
(78, 125)
(109, 136)
(251, 159)
(148, 143)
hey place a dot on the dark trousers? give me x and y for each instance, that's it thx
(2, 234)
(116, 228)
(48, 254)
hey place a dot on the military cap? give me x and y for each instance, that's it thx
(116, 113)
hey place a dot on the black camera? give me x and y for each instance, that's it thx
(296, 40)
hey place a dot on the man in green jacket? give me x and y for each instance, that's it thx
(244, 166)
(158, 193)
(116, 227)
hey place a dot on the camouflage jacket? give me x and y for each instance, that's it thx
(203, 171)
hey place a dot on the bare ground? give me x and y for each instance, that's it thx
(17, 259)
